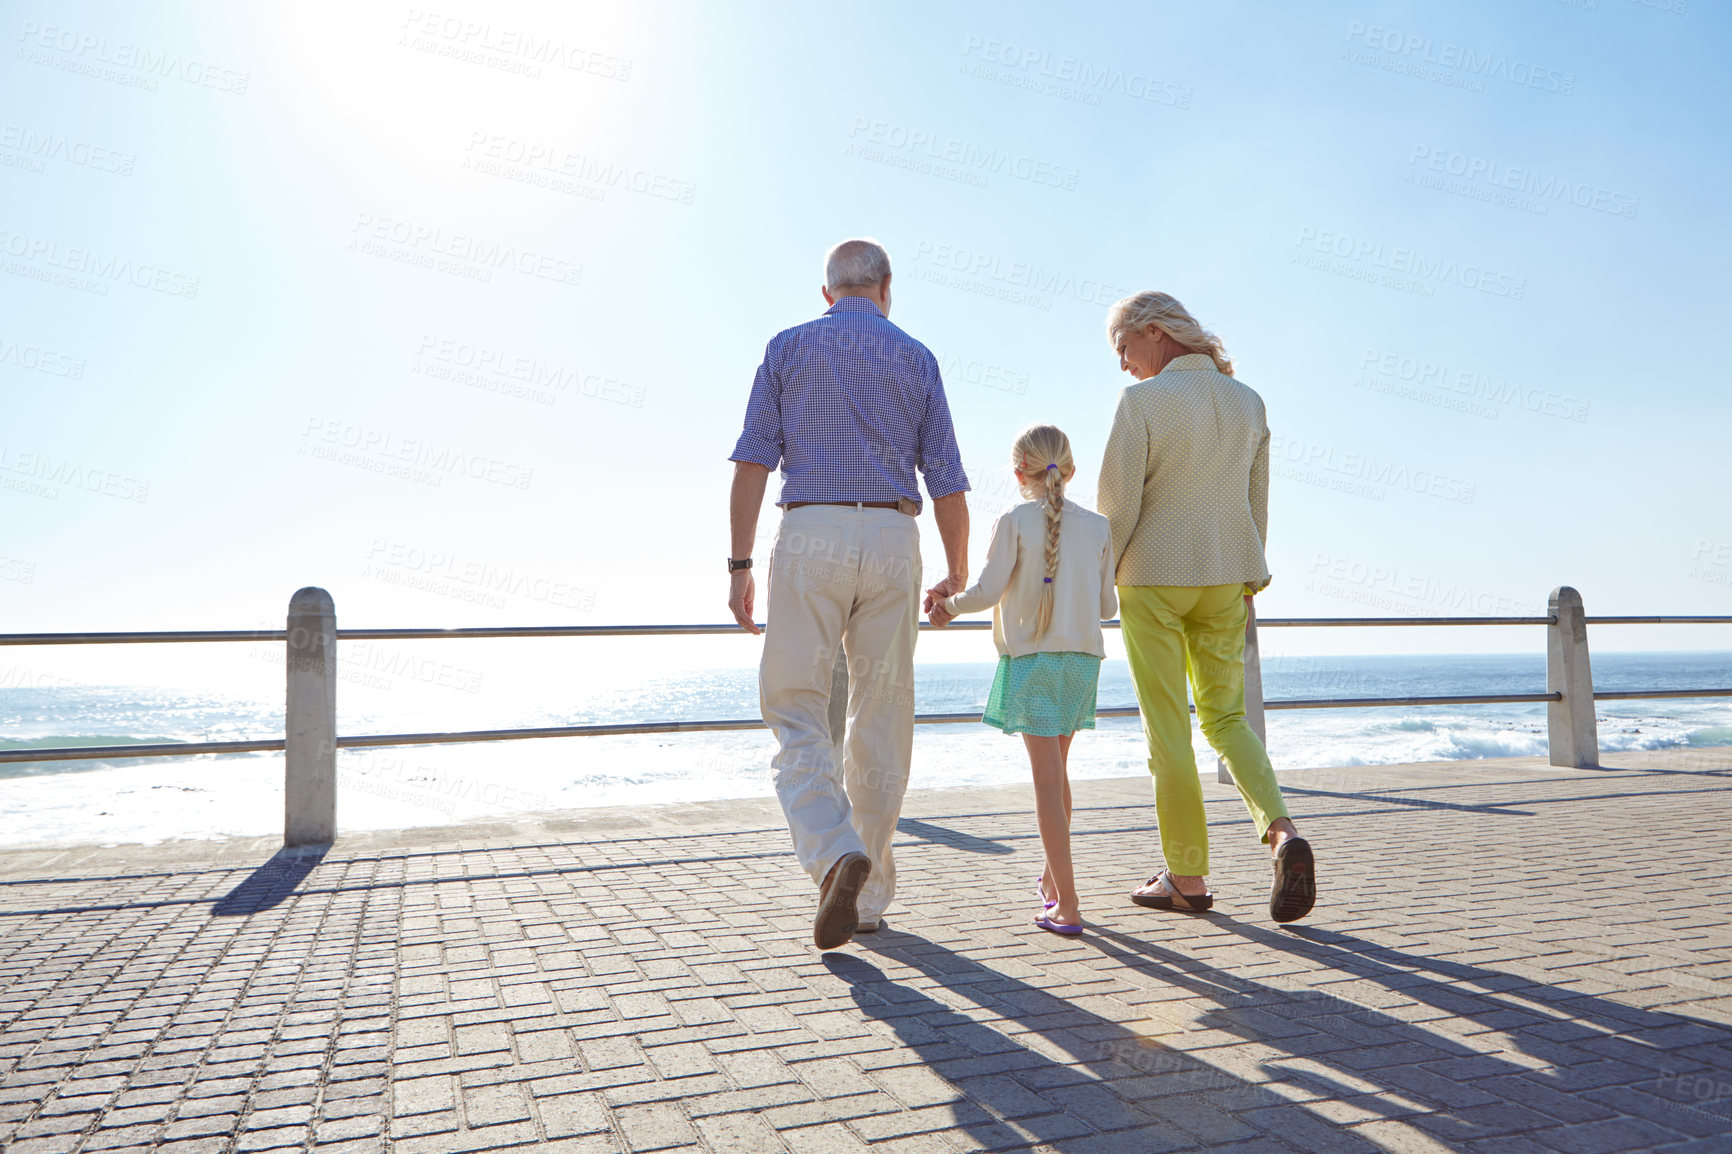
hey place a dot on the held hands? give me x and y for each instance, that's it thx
(935, 596)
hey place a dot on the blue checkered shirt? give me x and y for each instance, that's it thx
(850, 405)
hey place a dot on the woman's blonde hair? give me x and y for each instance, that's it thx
(1042, 455)
(1136, 313)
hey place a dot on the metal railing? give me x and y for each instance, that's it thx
(310, 740)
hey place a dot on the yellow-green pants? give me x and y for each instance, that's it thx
(1169, 631)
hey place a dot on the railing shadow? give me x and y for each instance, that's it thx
(271, 883)
(955, 839)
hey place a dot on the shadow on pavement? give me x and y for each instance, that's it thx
(1574, 1058)
(955, 839)
(268, 885)
(1576, 1070)
(1007, 1094)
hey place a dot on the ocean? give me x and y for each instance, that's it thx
(150, 800)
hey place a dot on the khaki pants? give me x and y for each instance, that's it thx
(842, 575)
(1169, 631)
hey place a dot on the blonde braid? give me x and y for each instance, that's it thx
(1054, 514)
(1041, 455)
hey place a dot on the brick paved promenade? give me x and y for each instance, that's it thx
(1504, 958)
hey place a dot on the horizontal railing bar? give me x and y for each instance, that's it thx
(142, 638)
(364, 741)
(1657, 620)
(1462, 699)
(1378, 622)
(1636, 694)
(170, 636)
(537, 631)
(722, 725)
(161, 749)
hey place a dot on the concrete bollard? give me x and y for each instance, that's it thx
(310, 721)
(839, 705)
(1573, 736)
(1253, 689)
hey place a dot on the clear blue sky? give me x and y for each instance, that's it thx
(455, 314)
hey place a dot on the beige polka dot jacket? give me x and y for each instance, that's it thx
(1185, 479)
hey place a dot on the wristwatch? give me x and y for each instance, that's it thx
(733, 564)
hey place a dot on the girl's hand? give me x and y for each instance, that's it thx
(940, 616)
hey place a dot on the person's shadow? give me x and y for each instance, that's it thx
(1051, 1072)
(1055, 1089)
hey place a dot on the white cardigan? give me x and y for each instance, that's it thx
(1082, 590)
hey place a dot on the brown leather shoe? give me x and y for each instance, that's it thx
(835, 922)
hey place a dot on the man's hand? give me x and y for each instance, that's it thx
(744, 500)
(741, 591)
(951, 513)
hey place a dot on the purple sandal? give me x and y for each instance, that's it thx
(1063, 929)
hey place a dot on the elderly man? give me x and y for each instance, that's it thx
(849, 406)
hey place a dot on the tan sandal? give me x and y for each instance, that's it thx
(1193, 903)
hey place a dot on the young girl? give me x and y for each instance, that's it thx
(1049, 580)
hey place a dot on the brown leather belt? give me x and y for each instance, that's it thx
(848, 504)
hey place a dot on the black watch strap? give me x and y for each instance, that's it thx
(733, 564)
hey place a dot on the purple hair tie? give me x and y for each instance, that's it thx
(1048, 580)
(1052, 466)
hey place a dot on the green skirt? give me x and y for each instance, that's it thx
(1044, 694)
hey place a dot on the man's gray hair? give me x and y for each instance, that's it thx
(858, 263)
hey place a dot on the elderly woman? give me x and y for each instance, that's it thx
(1185, 485)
